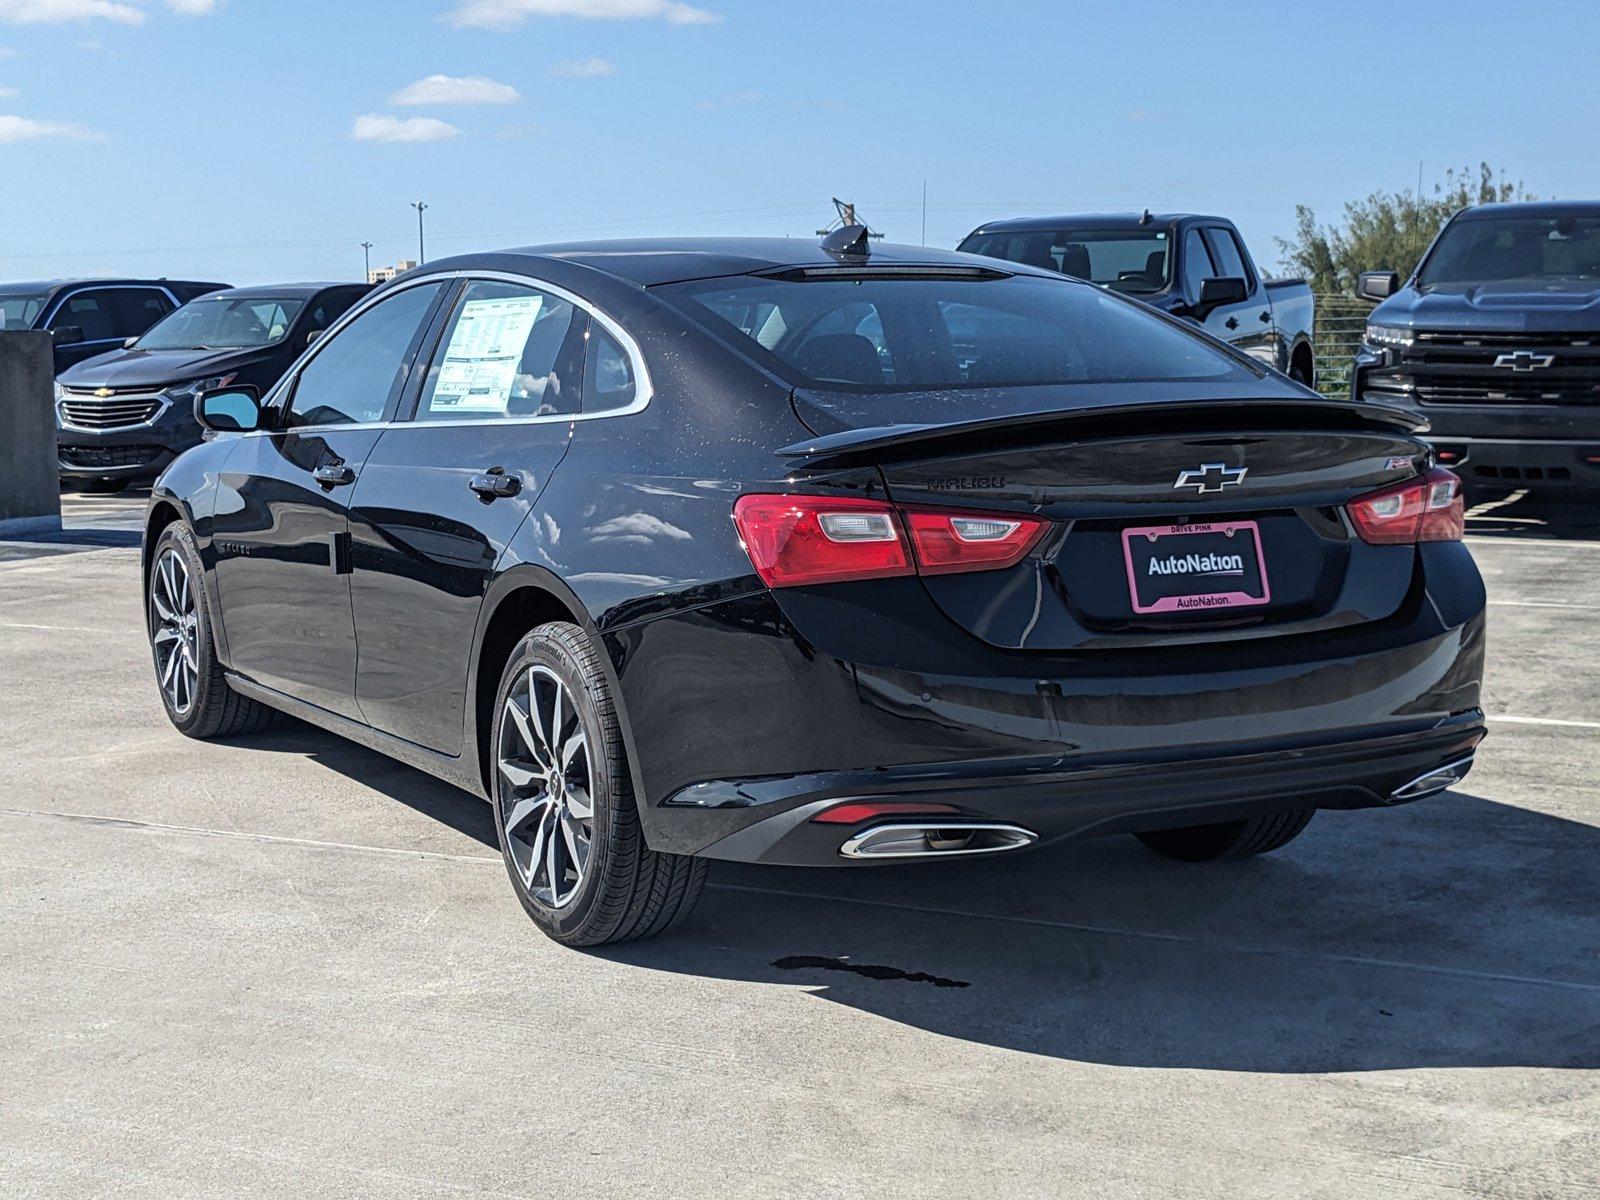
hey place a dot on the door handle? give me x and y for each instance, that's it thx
(1266, 316)
(333, 475)
(1232, 322)
(494, 483)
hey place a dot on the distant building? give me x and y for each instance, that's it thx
(384, 274)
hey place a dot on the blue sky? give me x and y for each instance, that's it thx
(248, 140)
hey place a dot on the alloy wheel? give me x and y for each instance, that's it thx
(177, 631)
(546, 805)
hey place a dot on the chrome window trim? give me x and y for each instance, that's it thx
(644, 387)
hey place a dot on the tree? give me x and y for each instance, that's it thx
(1388, 231)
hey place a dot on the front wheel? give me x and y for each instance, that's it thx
(194, 689)
(563, 804)
(1228, 839)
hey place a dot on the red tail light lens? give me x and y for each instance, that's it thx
(797, 540)
(856, 811)
(1428, 508)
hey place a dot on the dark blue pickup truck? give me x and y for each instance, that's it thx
(1496, 339)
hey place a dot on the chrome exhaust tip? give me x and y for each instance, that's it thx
(1432, 782)
(923, 839)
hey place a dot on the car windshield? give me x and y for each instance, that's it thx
(1497, 249)
(1126, 260)
(20, 311)
(887, 334)
(225, 323)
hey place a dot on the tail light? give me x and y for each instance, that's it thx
(797, 540)
(1428, 508)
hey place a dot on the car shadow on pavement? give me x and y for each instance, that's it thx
(1525, 515)
(1458, 932)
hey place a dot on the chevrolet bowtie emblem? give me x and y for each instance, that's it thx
(1211, 477)
(102, 392)
(1525, 360)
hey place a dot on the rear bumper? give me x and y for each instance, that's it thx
(755, 712)
(1060, 799)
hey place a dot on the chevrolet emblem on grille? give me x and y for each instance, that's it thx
(1525, 360)
(103, 392)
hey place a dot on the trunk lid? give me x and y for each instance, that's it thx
(1149, 499)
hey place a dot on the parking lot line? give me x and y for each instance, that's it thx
(1546, 604)
(1507, 719)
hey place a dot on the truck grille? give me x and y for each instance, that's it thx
(1464, 368)
(86, 410)
(108, 456)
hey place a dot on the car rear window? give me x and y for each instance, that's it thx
(913, 333)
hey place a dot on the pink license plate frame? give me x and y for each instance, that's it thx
(1198, 601)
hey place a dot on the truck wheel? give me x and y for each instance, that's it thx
(194, 690)
(1228, 839)
(563, 803)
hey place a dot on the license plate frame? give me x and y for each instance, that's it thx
(1220, 598)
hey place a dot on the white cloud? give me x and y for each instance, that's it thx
(447, 89)
(583, 68)
(194, 8)
(58, 12)
(8, 93)
(24, 129)
(730, 100)
(507, 14)
(376, 128)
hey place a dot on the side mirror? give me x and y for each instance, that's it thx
(1377, 285)
(229, 410)
(1215, 293)
(314, 335)
(67, 335)
(129, 343)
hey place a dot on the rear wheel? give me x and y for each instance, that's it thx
(1228, 839)
(563, 804)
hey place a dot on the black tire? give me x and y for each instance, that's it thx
(1228, 839)
(625, 891)
(102, 487)
(213, 709)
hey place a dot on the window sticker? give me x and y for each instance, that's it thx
(480, 364)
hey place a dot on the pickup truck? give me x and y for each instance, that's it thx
(1495, 339)
(1192, 266)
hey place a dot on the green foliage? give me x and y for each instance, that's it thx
(1388, 231)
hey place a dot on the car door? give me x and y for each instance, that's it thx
(445, 490)
(1247, 325)
(281, 528)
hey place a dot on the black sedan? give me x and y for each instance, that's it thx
(121, 417)
(828, 555)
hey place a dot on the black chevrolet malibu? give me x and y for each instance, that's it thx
(817, 554)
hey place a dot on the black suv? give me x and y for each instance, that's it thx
(86, 317)
(123, 416)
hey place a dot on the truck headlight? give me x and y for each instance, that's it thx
(1389, 337)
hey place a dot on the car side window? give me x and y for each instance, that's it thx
(608, 382)
(357, 375)
(1230, 259)
(135, 310)
(1197, 266)
(510, 351)
(329, 308)
(90, 312)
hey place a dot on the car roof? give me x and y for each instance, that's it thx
(650, 261)
(1532, 208)
(281, 289)
(1128, 220)
(44, 287)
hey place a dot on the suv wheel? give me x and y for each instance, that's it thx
(564, 807)
(1228, 839)
(194, 691)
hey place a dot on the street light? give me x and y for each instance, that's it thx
(422, 255)
(366, 260)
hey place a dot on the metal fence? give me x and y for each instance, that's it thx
(1341, 320)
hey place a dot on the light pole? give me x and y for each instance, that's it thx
(366, 260)
(422, 255)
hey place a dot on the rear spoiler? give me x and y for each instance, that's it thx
(878, 442)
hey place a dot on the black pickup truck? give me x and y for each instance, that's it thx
(1185, 264)
(1495, 338)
